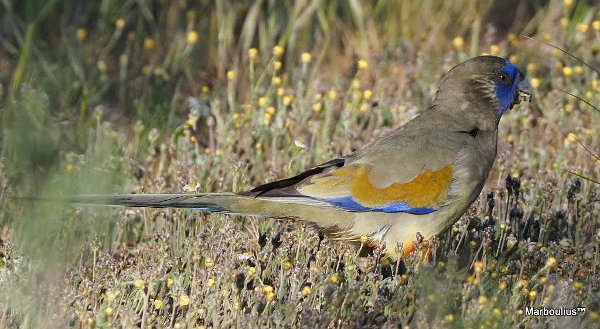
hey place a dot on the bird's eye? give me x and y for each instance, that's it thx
(503, 78)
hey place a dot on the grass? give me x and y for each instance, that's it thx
(131, 96)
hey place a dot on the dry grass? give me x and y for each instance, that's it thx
(130, 96)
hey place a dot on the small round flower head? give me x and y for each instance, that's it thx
(270, 297)
(458, 43)
(148, 44)
(192, 37)
(120, 23)
(364, 239)
(494, 50)
(287, 100)
(231, 75)
(305, 58)
(583, 28)
(306, 290)
(332, 94)
(139, 283)
(110, 296)
(263, 101)
(278, 51)
(184, 300)
(362, 64)
(334, 279)
(532, 295)
(252, 53)
(81, 34)
(551, 262)
(267, 289)
(300, 143)
(535, 83)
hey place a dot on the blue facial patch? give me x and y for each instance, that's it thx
(348, 203)
(507, 81)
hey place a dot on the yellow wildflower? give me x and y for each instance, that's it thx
(278, 51)
(252, 53)
(306, 58)
(230, 75)
(306, 290)
(192, 37)
(263, 101)
(458, 43)
(334, 279)
(81, 34)
(148, 44)
(184, 300)
(494, 50)
(276, 81)
(120, 23)
(332, 94)
(139, 283)
(362, 64)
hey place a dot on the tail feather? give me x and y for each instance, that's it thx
(212, 202)
(318, 212)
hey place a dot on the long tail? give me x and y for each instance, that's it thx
(213, 202)
(315, 211)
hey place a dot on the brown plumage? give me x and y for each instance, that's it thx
(419, 178)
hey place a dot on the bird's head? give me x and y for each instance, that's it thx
(482, 89)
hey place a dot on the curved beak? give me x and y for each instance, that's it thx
(524, 90)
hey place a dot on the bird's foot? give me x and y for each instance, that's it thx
(410, 247)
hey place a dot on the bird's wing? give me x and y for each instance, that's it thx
(287, 187)
(383, 178)
(352, 189)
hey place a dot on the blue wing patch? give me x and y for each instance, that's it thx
(348, 203)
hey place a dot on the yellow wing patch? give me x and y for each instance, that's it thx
(427, 189)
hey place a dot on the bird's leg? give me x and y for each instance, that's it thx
(418, 244)
(407, 249)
